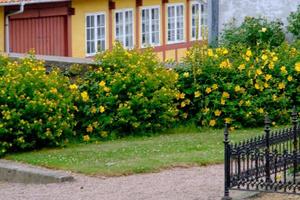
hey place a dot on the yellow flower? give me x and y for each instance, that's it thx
(263, 29)
(85, 96)
(223, 101)
(102, 109)
(237, 88)
(241, 102)
(281, 86)
(290, 78)
(197, 94)
(248, 103)
(53, 90)
(89, 129)
(242, 67)
(186, 74)
(264, 57)
(73, 87)
(257, 86)
(225, 95)
(182, 104)
(215, 86)
(86, 138)
(261, 110)
(218, 113)
(93, 110)
(266, 85)
(206, 110)
(259, 72)
(268, 77)
(181, 96)
(249, 53)
(228, 120)
(297, 67)
(106, 89)
(283, 70)
(225, 51)
(275, 58)
(271, 65)
(212, 122)
(225, 64)
(102, 84)
(208, 90)
(210, 53)
(104, 134)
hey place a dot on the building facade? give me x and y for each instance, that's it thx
(81, 28)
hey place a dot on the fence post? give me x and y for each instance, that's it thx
(267, 150)
(226, 164)
(295, 151)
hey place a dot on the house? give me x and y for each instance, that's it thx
(81, 28)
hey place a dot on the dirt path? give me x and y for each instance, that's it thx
(198, 183)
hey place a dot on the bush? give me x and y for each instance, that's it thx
(221, 85)
(129, 93)
(294, 23)
(253, 32)
(35, 108)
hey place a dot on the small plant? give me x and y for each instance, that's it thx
(254, 32)
(294, 23)
(35, 107)
(129, 93)
(238, 86)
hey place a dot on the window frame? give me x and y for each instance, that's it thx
(184, 23)
(95, 14)
(124, 27)
(200, 36)
(141, 26)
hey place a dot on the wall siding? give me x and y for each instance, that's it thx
(239, 9)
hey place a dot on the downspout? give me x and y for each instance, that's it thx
(213, 22)
(21, 10)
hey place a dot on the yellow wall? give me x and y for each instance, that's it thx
(2, 30)
(84, 7)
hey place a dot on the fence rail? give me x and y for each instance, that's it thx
(267, 163)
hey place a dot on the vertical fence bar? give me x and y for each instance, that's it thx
(295, 150)
(227, 164)
(267, 151)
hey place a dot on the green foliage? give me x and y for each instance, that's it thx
(239, 86)
(253, 32)
(294, 23)
(35, 108)
(130, 93)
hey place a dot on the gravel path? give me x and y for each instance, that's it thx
(198, 183)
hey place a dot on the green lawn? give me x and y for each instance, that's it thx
(180, 147)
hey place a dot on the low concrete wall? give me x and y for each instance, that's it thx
(239, 9)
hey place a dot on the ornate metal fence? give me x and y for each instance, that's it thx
(267, 163)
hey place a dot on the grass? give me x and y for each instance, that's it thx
(177, 148)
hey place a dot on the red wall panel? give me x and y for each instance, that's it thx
(47, 35)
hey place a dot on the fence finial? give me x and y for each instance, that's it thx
(267, 123)
(226, 133)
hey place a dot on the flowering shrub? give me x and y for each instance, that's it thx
(254, 32)
(221, 85)
(34, 107)
(130, 92)
(294, 23)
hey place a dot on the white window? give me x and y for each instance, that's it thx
(175, 23)
(124, 27)
(95, 33)
(199, 20)
(150, 26)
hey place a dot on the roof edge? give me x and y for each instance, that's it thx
(31, 2)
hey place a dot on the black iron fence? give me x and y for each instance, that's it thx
(267, 163)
